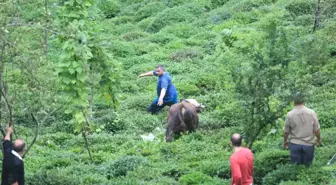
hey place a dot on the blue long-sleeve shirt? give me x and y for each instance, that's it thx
(165, 82)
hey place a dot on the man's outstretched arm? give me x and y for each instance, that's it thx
(150, 73)
(8, 133)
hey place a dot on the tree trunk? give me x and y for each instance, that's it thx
(317, 15)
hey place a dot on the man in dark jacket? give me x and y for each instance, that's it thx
(12, 164)
(166, 91)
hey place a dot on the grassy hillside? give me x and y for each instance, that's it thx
(202, 43)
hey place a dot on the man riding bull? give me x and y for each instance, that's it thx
(166, 91)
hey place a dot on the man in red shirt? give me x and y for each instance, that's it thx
(241, 163)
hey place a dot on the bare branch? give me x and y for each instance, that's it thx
(9, 106)
(85, 139)
(37, 128)
(317, 15)
(35, 137)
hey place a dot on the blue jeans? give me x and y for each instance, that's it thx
(154, 108)
(301, 154)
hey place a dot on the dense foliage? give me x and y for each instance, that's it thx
(74, 65)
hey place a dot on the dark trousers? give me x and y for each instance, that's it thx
(154, 108)
(301, 154)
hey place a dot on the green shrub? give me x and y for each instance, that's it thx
(133, 35)
(121, 166)
(185, 54)
(51, 178)
(194, 178)
(123, 49)
(120, 21)
(215, 168)
(315, 176)
(198, 178)
(150, 9)
(293, 183)
(268, 161)
(175, 172)
(132, 8)
(110, 8)
(108, 120)
(300, 7)
(185, 13)
(282, 173)
(181, 30)
(187, 89)
(218, 3)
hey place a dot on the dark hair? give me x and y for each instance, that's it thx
(299, 98)
(19, 148)
(161, 67)
(236, 140)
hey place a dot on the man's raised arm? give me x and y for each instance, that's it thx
(8, 133)
(150, 73)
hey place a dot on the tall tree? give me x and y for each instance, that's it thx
(83, 65)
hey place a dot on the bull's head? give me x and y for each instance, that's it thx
(199, 107)
(169, 134)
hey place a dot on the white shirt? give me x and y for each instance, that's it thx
(17, 155)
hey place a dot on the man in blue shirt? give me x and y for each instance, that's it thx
(166, 92)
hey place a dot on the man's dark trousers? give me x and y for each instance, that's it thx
(301, 154)
(155, 108)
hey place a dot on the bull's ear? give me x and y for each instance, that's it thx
(181, 100)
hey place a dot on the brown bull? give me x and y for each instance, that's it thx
(182, 117)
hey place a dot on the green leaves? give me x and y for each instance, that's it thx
(83, 64)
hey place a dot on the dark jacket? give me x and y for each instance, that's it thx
(12, 166)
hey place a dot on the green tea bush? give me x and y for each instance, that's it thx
(123, 49)
(150, 9)
(139, 122)
(129, 87)
(122, 166)
(132, 8)
(175, 172)
(51, 178)
(282, 173)
(130, 36)
(181, 55)
(186, 89)
(110, 8)
(184, 13)
(198, 178)
(218, 3)
(304, 20)
(247, 5)
(108, 121)
(328, 136)
(181, 30)
(300, 7)
(268, 161)
(215, 168)
(293, 183)
(120, 21)
(144, 23)
(315, 176)
(162, 38)
(140, 102)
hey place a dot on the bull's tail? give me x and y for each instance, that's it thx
(186, 117)
(181, 112)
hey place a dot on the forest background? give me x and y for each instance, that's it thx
(68, 81)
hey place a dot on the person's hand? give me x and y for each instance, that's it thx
(9, 130)
(286, 145)
(141, 75)
(160, 102)
(318, 143)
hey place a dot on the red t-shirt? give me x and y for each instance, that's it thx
(242, 167)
